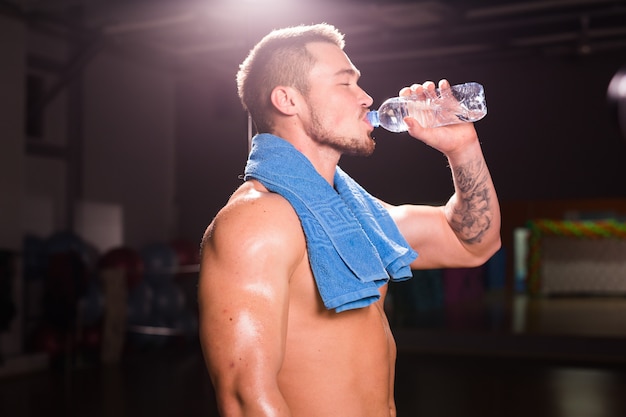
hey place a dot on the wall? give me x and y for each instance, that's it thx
(12, 50)
(130, 145)
(45, 177)
(212, 148)
(12, 35)
(124, 132)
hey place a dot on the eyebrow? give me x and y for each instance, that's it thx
(348, 71)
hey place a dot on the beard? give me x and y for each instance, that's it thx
(346, 145)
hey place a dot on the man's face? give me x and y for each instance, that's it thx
(338, 106)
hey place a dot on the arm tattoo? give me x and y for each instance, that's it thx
(471, 211)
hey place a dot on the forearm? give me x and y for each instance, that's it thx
(473, 211)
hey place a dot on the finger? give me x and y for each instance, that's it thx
(413, 90)
(405, 92)
(416, 88)
(430, 89)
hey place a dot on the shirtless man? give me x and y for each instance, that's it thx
(271, 346)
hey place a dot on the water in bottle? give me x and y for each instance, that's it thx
(461, 103)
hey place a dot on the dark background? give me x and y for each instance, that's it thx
(550, 132)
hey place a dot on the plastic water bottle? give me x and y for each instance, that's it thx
(462, 103)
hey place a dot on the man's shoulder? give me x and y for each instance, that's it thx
(254, 213)
(252, 198)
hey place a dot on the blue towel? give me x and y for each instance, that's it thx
(353, 244)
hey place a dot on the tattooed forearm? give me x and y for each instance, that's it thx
(471, 212)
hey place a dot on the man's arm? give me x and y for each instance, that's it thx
(466, 231)
(248, 255)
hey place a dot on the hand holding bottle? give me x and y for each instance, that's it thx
(432, 107)
(447, 138)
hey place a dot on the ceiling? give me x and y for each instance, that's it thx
(183, 34)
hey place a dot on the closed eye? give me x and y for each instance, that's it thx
(349, 74)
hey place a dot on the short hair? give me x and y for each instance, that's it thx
(280, 58)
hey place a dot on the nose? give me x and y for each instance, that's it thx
(366, 99)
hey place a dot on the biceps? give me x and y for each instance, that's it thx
(428, 232)
(419, 224)
(243, 325)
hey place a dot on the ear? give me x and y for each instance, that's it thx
(285, 99)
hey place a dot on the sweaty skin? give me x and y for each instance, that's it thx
(325, 363)
(271, 347)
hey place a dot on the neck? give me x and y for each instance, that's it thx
(322, 157)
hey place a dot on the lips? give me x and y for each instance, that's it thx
(366, 119)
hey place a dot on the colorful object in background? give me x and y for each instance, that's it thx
(127, 259)
(158, 311)
(520, 259)
(74, 304)
(187, 252)
(66, 241)
(583, 229)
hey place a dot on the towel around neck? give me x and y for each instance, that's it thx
(354, 246)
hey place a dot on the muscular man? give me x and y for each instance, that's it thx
(275, 339)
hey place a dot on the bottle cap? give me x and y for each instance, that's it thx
(372, 117)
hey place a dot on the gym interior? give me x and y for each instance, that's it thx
(122, 136)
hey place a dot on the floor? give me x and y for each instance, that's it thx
(494, 358)
(457, 386)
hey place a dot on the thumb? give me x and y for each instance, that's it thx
(410, 122)
(415, 129)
